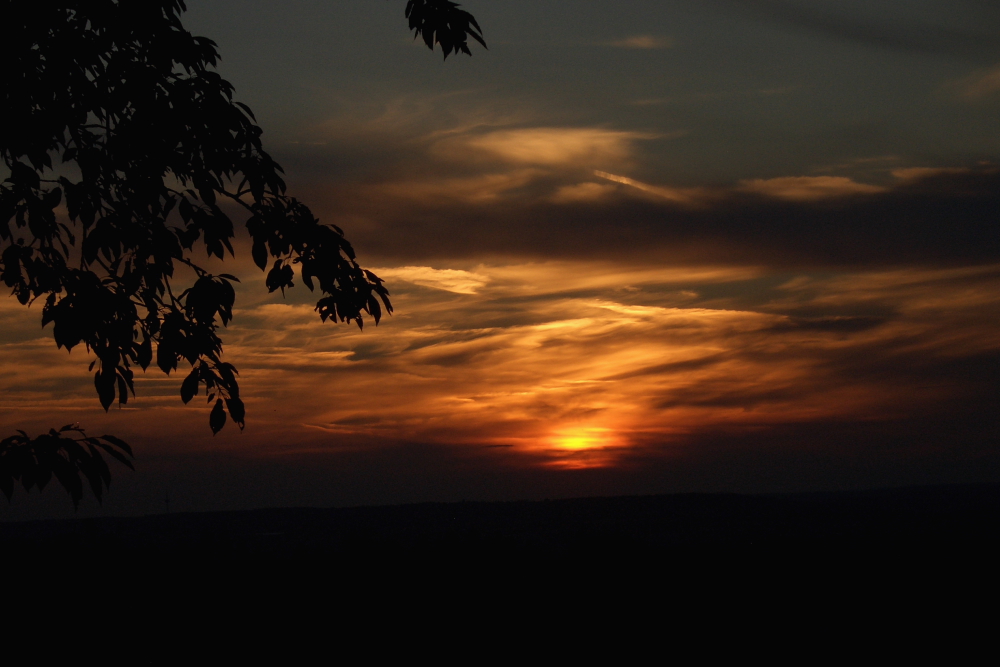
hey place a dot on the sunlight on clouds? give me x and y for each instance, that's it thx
(807, 188)
(677, 195)
(594, 377)
(449, 280)
(569, 364)
(554, 277)
(582, 447)
(556, 146)
(582, 192)
(925, 295)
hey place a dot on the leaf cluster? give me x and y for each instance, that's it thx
(124, 152)
(442, 22)
(68, 455)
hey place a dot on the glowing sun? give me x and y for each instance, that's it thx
(577, 439)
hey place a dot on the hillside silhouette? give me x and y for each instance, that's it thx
(936, 520)
(623, 573)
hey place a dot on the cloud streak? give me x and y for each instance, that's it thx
(900, 32)
(980, 85)
(576, 365)
(643, 42)
(930, 217)
(807, 188)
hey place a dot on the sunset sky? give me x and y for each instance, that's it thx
(634, 247)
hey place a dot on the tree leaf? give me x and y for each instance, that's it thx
(117, 455)
(237, 411)
(189, 388)
(144, 353)
(104, 381)
(217, 419)
(118, 442)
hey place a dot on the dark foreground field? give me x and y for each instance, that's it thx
(944, 522)
(881, 554)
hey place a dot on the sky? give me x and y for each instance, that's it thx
(634, 247)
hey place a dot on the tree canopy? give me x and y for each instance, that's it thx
(121, 145)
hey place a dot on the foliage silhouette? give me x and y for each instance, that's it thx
(65, 454)
(442, 22)
(123, 147)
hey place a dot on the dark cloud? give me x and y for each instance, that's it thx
(901, 33)
(830, 324)
(673, 367)
(940, 219)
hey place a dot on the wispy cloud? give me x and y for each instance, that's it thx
(979, 85)
(572, 364)
(911, 174)
(642, 42)
(449, 280)
(903, 31)
(555, 146)
(808, 188)
(678, 195)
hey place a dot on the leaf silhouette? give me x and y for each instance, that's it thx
(67, 455)
(218, 417)
(120, 95)
(189, 388)
(443, 22)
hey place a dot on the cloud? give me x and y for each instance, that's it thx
(555, 146)
(642, 42)
(900, 32)
(449, 280)
(807, 188)
(984, 83)
(539, 351)
(677, 195)
(476, 189)
(582, 192)
(933, 217)
(914, 174)
(480, 193)
(570, 365)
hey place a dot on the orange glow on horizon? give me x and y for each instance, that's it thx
(564, 364)
(577, 439)
(579, 447)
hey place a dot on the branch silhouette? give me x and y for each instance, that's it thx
(122, 144)
(442, 22)
(66, 454)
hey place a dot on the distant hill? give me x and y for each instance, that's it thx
(856, 559)
(651, 524)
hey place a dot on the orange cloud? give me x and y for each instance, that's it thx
(910, 174)
(807, 188)
(569, 364)
(676, 195)
(555, 146)
(449, 280)
(582, 193)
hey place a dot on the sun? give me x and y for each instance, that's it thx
(582, 438)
